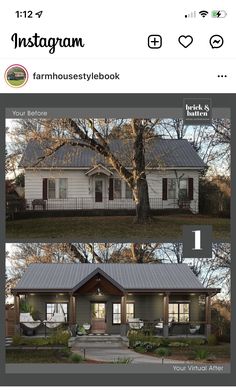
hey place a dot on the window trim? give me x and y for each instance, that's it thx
(117, 302)
(180, 313)
(115, 324)
(175, 190)
(114, 190)
(58, 302)
(48, 190)
(133, 303)
(57, 188)
(127, 188)
(66, 188)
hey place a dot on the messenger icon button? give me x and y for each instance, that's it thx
(216, 41)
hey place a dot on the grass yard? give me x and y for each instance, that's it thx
(37, 356)
(215, 354)
(16, 82)
(111, 228)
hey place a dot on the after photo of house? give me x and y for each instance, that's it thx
(119, 303)
(116, 179)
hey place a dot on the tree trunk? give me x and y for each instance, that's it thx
(140, 189)
(143, 211)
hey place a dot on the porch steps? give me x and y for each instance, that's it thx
(99, 341)
(8, 341)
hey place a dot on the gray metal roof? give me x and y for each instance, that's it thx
(129, 276)
(159, 152)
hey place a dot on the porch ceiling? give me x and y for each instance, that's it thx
(98, 279)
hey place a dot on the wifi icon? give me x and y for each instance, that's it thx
(203, 13)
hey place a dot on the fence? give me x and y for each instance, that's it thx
(9, 322)
(87, 203)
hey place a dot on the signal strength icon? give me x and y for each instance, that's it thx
(191, 15)
(203, 13)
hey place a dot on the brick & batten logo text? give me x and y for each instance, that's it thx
(197, 111)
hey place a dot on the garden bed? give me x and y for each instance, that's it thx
(187, 349)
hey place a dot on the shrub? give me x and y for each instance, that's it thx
(17, 340)
(66, 352)
(59, 337)
(162, 352)
(22, 341)
(140, 349)
(146, 346)
(76, 357)
(150, 347)
(201, 354)
(178, 344)
(195, 341)
(212, 340)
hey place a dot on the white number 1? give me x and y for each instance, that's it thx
(197, 241)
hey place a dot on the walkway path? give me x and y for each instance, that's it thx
(114, 354)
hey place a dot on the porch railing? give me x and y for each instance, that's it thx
(174, 328)
(90, 203)
(23, 328)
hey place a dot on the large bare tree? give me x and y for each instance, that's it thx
(94, 134)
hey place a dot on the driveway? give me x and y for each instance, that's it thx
(114, 354)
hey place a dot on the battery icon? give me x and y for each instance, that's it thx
(218, 14)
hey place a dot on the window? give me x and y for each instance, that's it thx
(171, 190)
(56, 308)
(183, 189)
(117, 188)
(128, 191)
(98, 310)
(129, 311)
(179, 312)
(51, 188)
(63, 187)
(116, 312)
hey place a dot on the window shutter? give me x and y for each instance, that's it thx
(190, 189)
(111, 190)
(45, 188)
(164, 189)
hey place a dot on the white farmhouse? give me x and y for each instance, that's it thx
(75, 177)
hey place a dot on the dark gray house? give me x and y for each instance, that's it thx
(75, 177)
(166, 299)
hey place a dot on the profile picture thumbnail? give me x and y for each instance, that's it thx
(16, 76)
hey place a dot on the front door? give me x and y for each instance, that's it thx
(98, 190)
(98, 317)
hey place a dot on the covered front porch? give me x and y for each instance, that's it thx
(99, 306)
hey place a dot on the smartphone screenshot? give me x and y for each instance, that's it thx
(117, 147)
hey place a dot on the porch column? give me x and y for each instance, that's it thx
(72, 316)
(17, 312)
(123, 316)
(208, 315)
(166, 315)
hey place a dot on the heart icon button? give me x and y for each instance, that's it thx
(185, 40)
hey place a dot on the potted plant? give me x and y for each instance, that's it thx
(80, 330)
(87, 327)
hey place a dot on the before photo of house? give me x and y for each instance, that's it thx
(135, 179)
(75, 177)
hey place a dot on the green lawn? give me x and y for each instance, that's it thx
(217, 353)
(16, 82)
(37, 356)
(111, 228)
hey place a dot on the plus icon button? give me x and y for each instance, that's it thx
(155, 41)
